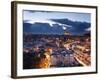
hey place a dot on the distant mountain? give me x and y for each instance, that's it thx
(56, 26)
(26, 27)
(42, 28)
(87, 34)
(77, 27)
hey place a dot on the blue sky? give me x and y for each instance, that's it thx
(44, 15)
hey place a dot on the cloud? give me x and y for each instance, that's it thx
(64, 28)
(41, 21)
(50, 22)
(88, 29)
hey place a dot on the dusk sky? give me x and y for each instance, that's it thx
(53, 17)
(42, 15)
